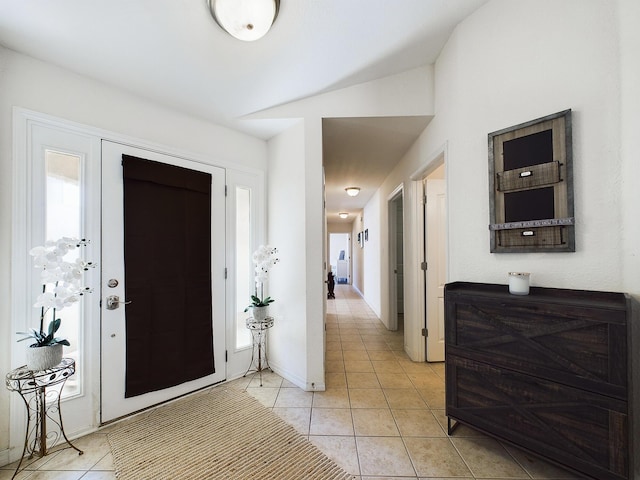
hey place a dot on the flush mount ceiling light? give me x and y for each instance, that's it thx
(352, 191)
(246, 20)
(343, 214)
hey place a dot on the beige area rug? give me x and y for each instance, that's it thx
(223, 433)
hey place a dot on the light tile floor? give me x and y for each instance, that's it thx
(381, 416)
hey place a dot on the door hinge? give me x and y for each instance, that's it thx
(225, 190)
(225, 273)
(423, 265)
(226, 356)
(425, 332)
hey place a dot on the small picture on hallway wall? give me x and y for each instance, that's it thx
(361, 239)
(366, 235)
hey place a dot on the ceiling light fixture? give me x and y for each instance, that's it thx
(352, 191)
(343, 214)
(246, 20)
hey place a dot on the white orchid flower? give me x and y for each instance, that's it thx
(45, 300)
(71, 299)
(38, 251)
(61, 291)
(72, 275)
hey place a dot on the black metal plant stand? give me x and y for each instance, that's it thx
(259, 360)
(40, 391)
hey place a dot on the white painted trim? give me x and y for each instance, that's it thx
(395, 192)
(426, 168)
(4, 457)
(392, 258)
(419, 354)
(297, 380)
(26, 230)
(22, 120)
(132, 141)
(19, 280)
(417, 177)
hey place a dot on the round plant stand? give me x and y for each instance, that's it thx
(259, 360)
(40, 391)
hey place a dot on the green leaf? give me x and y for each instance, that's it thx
(54, 326)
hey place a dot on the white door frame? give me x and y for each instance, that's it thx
(27, 230)
(238, 359)
(439, 157)
(393, 257)
(20, 239)
(114, 405)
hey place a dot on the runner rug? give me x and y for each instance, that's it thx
(223, 433)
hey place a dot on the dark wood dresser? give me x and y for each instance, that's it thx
(555, 372)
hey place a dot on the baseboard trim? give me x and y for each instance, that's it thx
(4, 458)
(299, 382)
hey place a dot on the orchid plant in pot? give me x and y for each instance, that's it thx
(61, 287)
(264, 258)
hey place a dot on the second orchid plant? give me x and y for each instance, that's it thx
(264, 258)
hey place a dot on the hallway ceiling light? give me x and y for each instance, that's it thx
(343, 214)
(246, 20)
(352, 191)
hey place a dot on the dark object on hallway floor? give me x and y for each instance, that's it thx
(330, 285)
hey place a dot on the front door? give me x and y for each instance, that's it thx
(170, 266)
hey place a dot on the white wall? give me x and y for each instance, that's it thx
(374, 253)
(287, 232)
(511, 62)
(357, 256)
(41, 87)
(629, 17)
(540, 57)
(295, 221)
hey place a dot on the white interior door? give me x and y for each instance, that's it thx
(113, 329)
(435, 222)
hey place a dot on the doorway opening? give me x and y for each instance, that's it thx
(396, 260)
(435, 257)
(340, 257)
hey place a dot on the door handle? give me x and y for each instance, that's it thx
(113, 302)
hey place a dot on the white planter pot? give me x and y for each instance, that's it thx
(43, 358)
(260, 313)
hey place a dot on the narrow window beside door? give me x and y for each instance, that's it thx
(63, 213)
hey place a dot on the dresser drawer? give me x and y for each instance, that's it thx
(582, 430)
(569, 343)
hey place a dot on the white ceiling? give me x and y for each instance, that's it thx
(172, 52)
(361, 152)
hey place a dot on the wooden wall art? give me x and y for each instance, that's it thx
(531, 186)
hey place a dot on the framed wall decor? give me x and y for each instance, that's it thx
(531, 186)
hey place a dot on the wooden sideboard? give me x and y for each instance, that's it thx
(555, 372)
